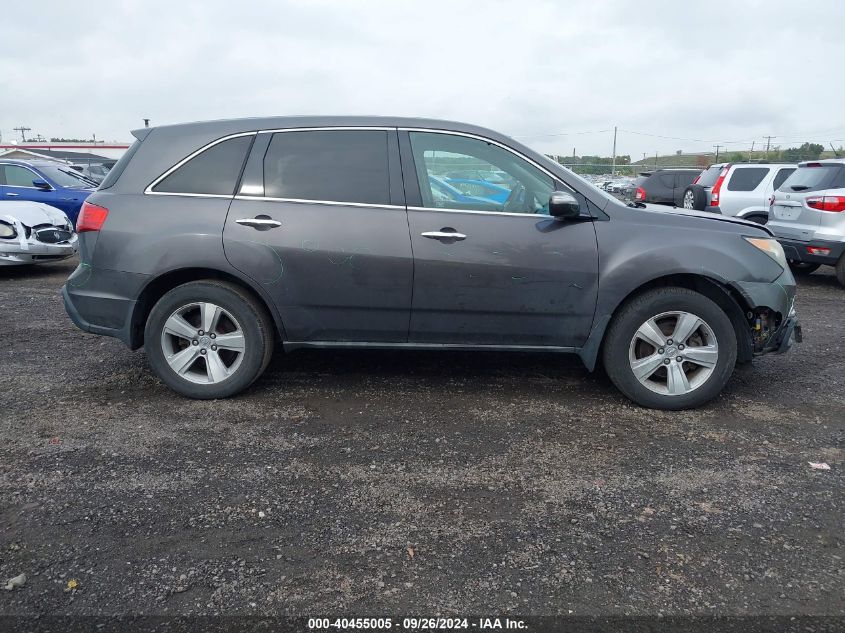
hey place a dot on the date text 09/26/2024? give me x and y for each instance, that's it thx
(415, 624)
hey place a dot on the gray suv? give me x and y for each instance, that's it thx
(210, 243)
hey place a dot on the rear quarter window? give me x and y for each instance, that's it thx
(781, 177)
(747, 178)
(214, 171)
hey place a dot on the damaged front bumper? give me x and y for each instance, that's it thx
(774, 323)
(39, 244)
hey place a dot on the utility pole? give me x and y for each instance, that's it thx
(768, 143)
(23, 130)
(751, 154)
(717, 152)
(146, 123)
(613, 166)
(655, 159)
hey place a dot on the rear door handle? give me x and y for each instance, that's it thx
(444, 235)
(259, 223)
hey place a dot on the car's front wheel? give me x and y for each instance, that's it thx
(670, 348)
(208, 339)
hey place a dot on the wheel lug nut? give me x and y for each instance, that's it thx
(680, 347)
(213, 348)
(660, 351)
(680, 359)
(202, 351)
(667, 361)
(669, 342)
(195, 342)
(200, 332)
(213, 335)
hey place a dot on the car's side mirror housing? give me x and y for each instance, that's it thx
(563, 206)
(38, 183)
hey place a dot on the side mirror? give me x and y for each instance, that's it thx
(563, 206)
(41, 184)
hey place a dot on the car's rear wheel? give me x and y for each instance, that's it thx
(670, 348)
(802, 268)
(208, 339)
(695, 198)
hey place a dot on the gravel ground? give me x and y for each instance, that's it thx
(428, 483)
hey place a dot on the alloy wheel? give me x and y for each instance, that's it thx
(673, 353)
(203, 343)
(689, 200)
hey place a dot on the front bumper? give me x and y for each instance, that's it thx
(796, 251)
(20, 252)
(774, 323)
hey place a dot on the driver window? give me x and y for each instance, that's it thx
(457, 172)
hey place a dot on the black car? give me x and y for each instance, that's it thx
(664, 186)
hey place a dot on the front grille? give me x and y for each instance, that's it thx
(52, 235)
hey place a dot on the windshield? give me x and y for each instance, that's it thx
(66, 177)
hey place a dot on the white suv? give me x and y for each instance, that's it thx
(742, 190)
(808, 216)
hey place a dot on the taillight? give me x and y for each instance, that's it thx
(91, 217)
(834, 204)
(717, 186)
(818, 250)
(640, 194)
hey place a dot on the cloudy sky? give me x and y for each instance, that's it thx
(557, 75)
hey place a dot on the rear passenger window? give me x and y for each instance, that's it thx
(328, 165)
(215, 171)
(747, 178)
(667, 180)
(781, 176)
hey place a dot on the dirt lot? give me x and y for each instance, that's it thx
(425, 483)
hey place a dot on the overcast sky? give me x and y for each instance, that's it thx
(545, 72)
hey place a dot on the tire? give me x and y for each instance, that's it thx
(696, 197)
(840, 270)
(665, 307)
(802, 268)
(240, 324)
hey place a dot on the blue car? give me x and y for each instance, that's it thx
(481, 188)
(46, 182)
(448, 196)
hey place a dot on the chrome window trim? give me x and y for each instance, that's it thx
(477, 212)
(154, 183)
(331, 128)
(322, 202)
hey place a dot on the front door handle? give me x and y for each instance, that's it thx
(444, 234)
(12, 194)
(261, 222)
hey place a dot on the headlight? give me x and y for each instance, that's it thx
(770, 247)
(7, 230)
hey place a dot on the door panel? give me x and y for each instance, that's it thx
(336, 273)
(512, 281)
(340, 268)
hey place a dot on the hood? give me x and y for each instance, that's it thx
(716, 217)
(31, 213)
